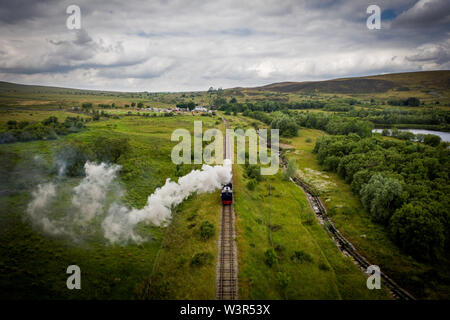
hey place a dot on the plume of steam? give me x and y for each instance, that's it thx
(89, 196)
(38, 208)
(90, 201)
(120, 221)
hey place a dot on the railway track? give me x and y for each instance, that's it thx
(227, 273)
(227, 264)
(344, 245)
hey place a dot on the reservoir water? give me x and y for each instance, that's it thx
(445, 136)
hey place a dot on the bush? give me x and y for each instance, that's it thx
(300, 257)
(110, 149)
(270, 257)
(253, 171)
(73, 156)
(251, 185)
(283, 280)
(207, 230)
(432, 140)
(201, 259)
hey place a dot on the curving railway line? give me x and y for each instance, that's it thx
(344, 245)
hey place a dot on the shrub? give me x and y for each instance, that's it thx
(432, 140)
(251, 185)
(270, 257)
(206, 230)
(300, 257)
(200, 259)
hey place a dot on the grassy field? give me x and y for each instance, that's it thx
(37, 262)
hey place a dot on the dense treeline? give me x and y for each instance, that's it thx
(402, 116)
(233, 106)
(411, 101)
(49, 129)
(289, 122)
(402, 185)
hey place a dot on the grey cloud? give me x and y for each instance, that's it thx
(190, 45)
(425, 13)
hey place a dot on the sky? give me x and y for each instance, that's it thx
(191, 45)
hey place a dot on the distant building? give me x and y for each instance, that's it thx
(200, 109)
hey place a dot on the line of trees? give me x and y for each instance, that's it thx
(48, 129)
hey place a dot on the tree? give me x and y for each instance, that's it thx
(86, 106)
(432, 140)
(417, 230)
(287, 126)
(380, 196)
(206, 230)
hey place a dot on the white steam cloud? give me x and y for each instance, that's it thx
(120, 222)
(89, 196)
(89, 202)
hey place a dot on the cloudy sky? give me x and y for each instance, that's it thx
(182, 45)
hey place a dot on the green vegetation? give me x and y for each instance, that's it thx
(389, 175)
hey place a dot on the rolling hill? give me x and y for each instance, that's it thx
(438, 81)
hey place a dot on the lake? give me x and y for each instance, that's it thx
(445, 136)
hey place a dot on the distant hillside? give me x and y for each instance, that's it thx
(23, 88)
(424, 80)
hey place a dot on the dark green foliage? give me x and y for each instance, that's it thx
(270, 257)
(389, 175)
(206, 230)
(287, 126)
(418, 231)
(381, 196)
(251, 185)
(301, 257)
(48, 129)
(186, 105)
(108, 149)
(390, 116)
(86, 105)
(201, 259)
(73, 156)
(253, 171)
(411, 101)
(432, 140)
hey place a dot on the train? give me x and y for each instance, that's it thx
(227, 194)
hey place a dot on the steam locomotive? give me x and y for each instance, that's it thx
(227, 194)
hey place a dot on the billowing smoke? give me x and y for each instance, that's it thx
(38, 208)
(120, 222)
(90, 195)
(90, 204)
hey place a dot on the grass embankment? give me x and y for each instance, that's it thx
(277, 215)
(34, 264)
(353, 221)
